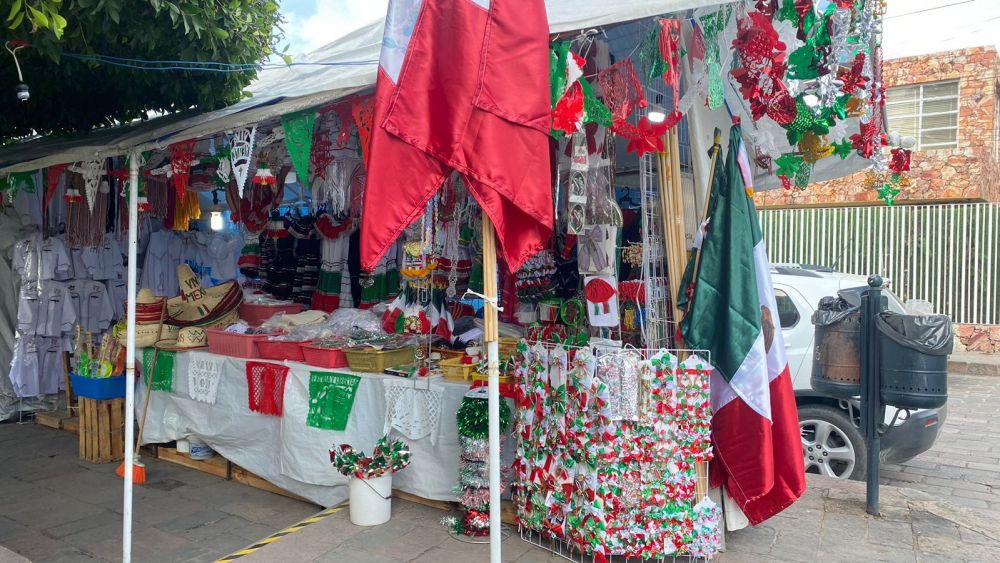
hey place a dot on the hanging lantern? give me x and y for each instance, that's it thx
(72, 195)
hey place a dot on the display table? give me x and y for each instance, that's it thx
(292, 455)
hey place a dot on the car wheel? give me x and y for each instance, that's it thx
(831, 444)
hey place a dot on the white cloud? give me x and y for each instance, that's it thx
(329, 20)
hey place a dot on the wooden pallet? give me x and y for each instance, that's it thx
(217, 465)
(102, 430)
(59, 420)
(241, 475)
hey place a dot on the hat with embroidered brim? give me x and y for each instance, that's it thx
(188, 338)
(199, 306)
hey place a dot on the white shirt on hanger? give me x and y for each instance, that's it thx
(37, 259)
(49, 312)
(163, 255)
(93, 306)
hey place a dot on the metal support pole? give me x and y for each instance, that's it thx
(491, 336)
(133, 244)
(871, 398)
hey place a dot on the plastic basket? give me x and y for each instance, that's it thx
(290, 350)
(323, 357)
(453, 368)
(255, 315)
(447, 354)
(234, 344)
(98, 388)
(375, 361)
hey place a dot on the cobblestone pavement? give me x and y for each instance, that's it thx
(55, 508)
(963, 466)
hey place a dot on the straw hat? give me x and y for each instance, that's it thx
(148, 334)
(198, 306)
(145, 296)
(188, 338)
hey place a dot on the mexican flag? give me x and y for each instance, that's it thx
(731, 311)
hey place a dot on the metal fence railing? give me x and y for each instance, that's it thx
(946, 254)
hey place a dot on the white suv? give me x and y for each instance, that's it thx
(832, 441)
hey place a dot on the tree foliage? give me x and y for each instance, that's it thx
(69, 95)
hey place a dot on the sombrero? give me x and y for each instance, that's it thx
(188, 338)
(206, 307)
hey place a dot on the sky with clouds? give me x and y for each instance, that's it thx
(912, 27)
(310, 24)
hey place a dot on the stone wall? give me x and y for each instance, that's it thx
(978, 338)
(968, 172)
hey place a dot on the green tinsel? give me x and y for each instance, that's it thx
(473, 418)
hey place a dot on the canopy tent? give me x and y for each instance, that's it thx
(348, 66)
(341, 68)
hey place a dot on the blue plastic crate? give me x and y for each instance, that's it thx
(100, 389)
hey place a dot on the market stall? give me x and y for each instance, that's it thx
(309, 270)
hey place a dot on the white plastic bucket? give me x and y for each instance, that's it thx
(371, 500)
(183, 446)
(199, 449)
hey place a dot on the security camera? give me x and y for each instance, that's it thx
(22, 92)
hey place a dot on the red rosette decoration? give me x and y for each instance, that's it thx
(181, 156)
(900, 161)
(869, 139)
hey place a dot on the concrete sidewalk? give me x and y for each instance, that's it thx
(828, 524)
(974, 363)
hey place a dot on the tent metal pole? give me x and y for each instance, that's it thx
(491, 337)
(133, 244)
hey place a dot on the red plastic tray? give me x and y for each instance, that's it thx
(324, 357)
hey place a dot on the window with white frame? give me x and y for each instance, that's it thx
(926, 112)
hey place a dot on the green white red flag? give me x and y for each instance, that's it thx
(732, 312)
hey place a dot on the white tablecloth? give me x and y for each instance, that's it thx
(293, 456)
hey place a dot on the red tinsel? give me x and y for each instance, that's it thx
(762, 67)
(622, 89)
(670, 39)
(181, 155)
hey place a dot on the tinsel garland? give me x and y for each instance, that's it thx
(387, 457)
(474, 418)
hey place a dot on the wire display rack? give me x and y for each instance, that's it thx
(568, 551)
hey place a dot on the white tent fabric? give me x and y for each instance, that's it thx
(285, 90)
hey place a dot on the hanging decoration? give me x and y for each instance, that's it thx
(241, 147)
(660, 55)
(163, 378)
(263, 177)
(266, 387)
(573, 100)
(54, 174)
(181, 159)
(331, 399)
(91, 171)
(298, 140)
(711, 26)
(364, 112)
(345, 117)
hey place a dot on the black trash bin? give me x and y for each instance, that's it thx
(914, 359)
(836, 369)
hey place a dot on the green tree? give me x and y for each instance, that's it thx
(69, 95)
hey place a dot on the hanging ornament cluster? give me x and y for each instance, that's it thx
(808, 67)
(660, 55)
(573, 101)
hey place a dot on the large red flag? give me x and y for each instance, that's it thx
(462, 85)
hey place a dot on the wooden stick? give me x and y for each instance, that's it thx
(491, 337)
